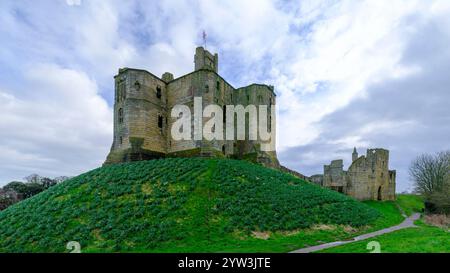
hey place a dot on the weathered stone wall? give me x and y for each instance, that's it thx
(142, 113)
(138, 113)
(294, 173)
(377, 162)
(316, 179)
(334, 176)
(149, 121)
(367, 178)
(203, 59)
(359, 179)
(182, 92)
(390, 195)
(257, 94)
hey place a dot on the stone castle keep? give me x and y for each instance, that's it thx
(142, 113)
(367, 178)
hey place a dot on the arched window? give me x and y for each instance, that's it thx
(206, 88)
(120, 115)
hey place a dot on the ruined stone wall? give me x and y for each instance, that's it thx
(367, 178)
(359, 179)
(370, 178)
(390, 195)
(334, 176)
(316, 179)
(379, 160)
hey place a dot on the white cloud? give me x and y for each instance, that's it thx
(321, 55)
(351, 46)
(59, 126)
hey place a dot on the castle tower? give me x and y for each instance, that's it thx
(139, 117)
(205, 60)
(354, 154)
(380, 181)
(143, 120)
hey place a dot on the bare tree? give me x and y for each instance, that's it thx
(33, 178)
(430, 173)
(47, 182)
(60, 179)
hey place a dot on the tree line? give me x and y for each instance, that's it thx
(16, 191)
(431, 176)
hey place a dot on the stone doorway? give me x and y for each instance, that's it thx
(379, 194)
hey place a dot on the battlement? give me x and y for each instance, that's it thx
(203, 59)
(377, 152)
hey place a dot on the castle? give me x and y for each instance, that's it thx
(367, 178)
(143, 120)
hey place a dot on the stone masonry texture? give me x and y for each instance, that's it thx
(367, 178)
(142, 113)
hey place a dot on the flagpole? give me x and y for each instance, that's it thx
(204, 38)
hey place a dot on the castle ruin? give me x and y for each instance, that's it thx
(367, 178)
(142, 113)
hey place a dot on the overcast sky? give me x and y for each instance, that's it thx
(347, 73)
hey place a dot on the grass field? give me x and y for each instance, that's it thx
(190, 205)
(389, 210)
(410, 203)
(421, 239)
(185, 205)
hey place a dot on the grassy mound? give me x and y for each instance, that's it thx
(149, 205)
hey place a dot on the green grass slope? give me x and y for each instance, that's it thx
(172, 205)
(410, 203)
